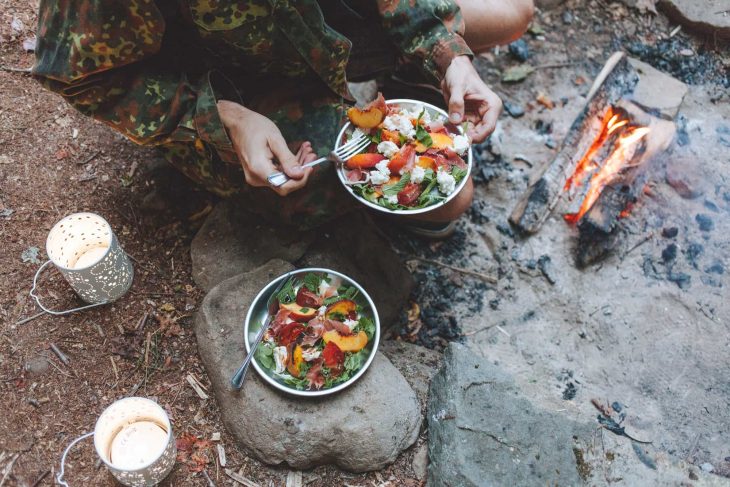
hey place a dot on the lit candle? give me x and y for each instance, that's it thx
(90, 257)
(137, 444)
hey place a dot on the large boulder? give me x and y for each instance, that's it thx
(484, 432)
(705, 17)
(233, 240)
(362, 428)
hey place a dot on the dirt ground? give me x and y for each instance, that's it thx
(54, 162)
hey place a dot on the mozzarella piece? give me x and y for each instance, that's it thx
(388, 148)
(280, 357)
(461, 144)
(417, 174)
(401, 124)
(446, 182)
(351, 323)
(309, 354)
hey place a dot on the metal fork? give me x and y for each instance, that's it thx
(272, 306)
(339, 155)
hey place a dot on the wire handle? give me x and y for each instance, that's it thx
(59, 477)
(50, 311)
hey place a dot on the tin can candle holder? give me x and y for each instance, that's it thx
(133, 438)
(83, 247)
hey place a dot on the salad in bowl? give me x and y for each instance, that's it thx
(416, 160)
(323, 336)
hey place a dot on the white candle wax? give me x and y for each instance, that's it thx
(137, 444)
(91, 256)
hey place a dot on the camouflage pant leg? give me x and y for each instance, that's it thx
(321, 200)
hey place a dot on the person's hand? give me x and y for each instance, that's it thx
(258, 143)
(469, 99)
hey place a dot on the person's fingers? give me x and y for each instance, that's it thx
(289, 162)
(258, 170)
(487, 113)
(294, 184)
(456, 103)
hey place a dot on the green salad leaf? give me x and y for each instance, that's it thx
(458, 174)
(377, 137)
(355, 361)
(394, 189)
(312, 281)
(288, 293)
(265, 355)
(365, 324)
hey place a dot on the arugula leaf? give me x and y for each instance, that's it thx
(299, 384)
(288, 294)
(312, 281)
(265, 355)
(396, 188)
(458, 173)
(366, 324)
(426, 194)
(423, 136)
(355, 361)
(402, 138)
(377, 137)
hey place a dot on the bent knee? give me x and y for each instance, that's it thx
(523, 12)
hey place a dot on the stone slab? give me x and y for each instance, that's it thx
(483, 432)
(710, 17)
(362, 428)
(657, 90)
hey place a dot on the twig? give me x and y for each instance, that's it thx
(87, 178)
(196, 387)
(40, 479)
(470, 333)
(8, 468)
(147, 350)
(61, 356)
(221, 455)
(30, 318)
(89, 159)
(114, 366)
(16, 70)
(142, 321)
(556, 65)
(484, 277)
(641, 242)
(240, 478)
(98, 328)
(207, 477)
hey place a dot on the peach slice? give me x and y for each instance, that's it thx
(363, 161)
(426, 162)
(299, 313)
(371, 115)
(351, 343)
(295, 362)
(344, 308)
(390, 136)
(439, 141)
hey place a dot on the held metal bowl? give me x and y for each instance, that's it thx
(409, 104)
(257, 313)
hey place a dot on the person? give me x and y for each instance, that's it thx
(232, 91)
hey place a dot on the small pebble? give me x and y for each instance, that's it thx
(716, 268)
(669, 253)
(705, 222)
(567, 17)
(550, 143)
(707, 467)
(514, 110)
(687, 52)
(711, 206)
(519, 50)
(670, 232)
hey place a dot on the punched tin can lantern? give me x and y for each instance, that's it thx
(133, 437)
(83, 247)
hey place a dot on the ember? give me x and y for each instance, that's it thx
(625, 138)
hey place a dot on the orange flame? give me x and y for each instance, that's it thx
(625, 146)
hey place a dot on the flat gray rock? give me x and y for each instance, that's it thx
(417, 364)
(232, 241)
(483, 432)
(704, 16)
(355, 246)
(362, 428)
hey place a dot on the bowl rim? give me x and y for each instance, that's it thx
(341, 174)
(264, 294)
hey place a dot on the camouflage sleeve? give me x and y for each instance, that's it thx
(427, 31)
(100, 56)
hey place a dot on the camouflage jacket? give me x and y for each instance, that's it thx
(153, 70)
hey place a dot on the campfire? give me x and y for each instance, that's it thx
(602, 167)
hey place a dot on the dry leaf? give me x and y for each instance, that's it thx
(517, 73)
(545, 101)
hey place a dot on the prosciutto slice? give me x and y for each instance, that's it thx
(314, 375)
(341, 328)
(280, 320)
(313, 331)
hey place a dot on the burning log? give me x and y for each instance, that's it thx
(617, 79)
(624, 187)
